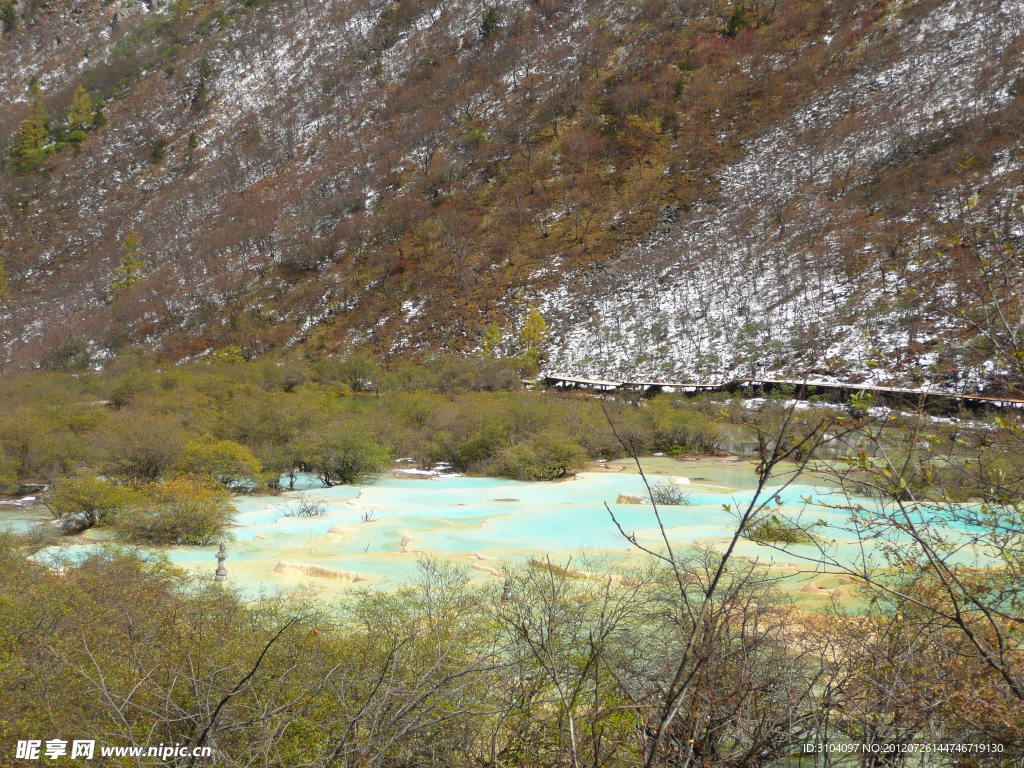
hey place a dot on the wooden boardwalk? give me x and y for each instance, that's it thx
(801, 390)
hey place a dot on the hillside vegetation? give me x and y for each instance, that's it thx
(251, 426)
(688, 188)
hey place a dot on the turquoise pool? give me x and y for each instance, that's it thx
(373, 535)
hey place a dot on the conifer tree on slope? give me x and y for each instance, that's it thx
(533, 338)
(80, 113)
(129, 269)
(32, 142)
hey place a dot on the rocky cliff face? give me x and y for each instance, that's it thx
(688, 189)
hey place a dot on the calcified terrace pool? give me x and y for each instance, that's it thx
(373, 535)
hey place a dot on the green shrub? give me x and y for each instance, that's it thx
(778, 531)
(357, 371)
(95, 497)
(678, 428)
(465, 451)
(178, 511)
(349, 455)
(128, 387)
(544, 457)
(229, 463)
(142, 446)
(8, 474)
(41, 444)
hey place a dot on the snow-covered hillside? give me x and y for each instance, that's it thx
(752, 281)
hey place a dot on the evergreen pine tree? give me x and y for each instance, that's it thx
(80, 113)
(129, 270)
(491, 345)
(489, 23)
(32, 139)
(534, 337)
(199, 95)
(8, 17)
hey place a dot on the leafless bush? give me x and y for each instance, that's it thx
(669, 493)
(306, 506)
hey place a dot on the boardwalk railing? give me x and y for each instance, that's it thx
(800, 390)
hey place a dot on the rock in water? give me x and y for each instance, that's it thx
(76, 522)
(627, 499)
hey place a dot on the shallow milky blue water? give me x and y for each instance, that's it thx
(480, 522)
(376, 533)
(461, 514)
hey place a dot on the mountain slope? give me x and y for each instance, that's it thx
(696, 188)
(832, 245)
